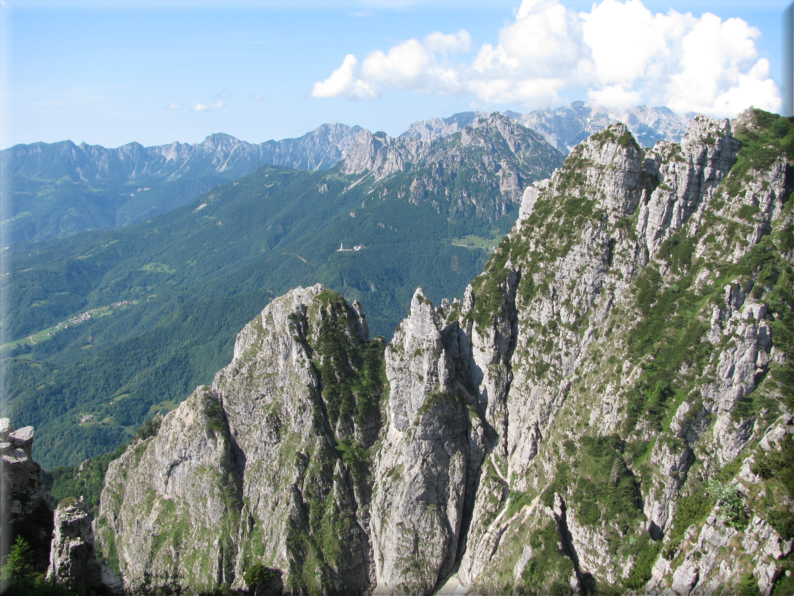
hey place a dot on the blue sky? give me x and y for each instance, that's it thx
(110, 73)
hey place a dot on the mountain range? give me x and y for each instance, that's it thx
(606, 407)
(60, 189)
(566, 126)
(151, 310)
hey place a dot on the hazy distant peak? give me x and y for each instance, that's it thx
(566, 126)
(436, 128)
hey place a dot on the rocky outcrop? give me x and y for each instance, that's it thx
(607, 408)
(603, 251)
(61, 544)
(422, 470)
(495, 156)
(73, 560)
(268, 465)
(25, 505)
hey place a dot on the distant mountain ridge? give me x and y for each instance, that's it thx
(567, 126)
(219, 154)
(59, 189)
(223, 154)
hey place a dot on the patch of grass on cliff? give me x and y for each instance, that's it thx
(675, 318)
(776, 468)
(308, 539)
(642, 569)
(575, 206)
(559, 484)
(605, 488)
(780, 299)
(357, 458)
(216, 417)
(784, 584)
(518, 500)
(774, 286)
(763, 142)
(549, 569)
(690, 509)
(490, 299)
(352, 371)
(670, 331)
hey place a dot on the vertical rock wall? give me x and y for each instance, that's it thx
(608, 399)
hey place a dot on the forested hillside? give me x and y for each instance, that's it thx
(106, 328)
(60, 189)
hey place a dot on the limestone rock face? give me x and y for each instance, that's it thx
(73, 560)
(596, 253)
(25, 503)
(250, 470)
(491, 152)
(608, 407)
(183, 492)
(421, 470)
(688, 175)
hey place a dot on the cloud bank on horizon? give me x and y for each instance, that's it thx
(621, 53)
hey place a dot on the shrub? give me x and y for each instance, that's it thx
(732, 509)
(215, 414)
(149, 428)
(748, 586)
(257, 575)
(641, 571)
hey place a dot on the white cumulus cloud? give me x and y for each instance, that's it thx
(440, 42)
(621, 52)
(202, 107)
(343, 82)
(412, 64)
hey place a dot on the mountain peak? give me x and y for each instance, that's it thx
(566, 126)
(220, 139)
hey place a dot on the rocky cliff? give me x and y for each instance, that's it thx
(73, 560)
(608, 408)
(25, 508)
(482, 168)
